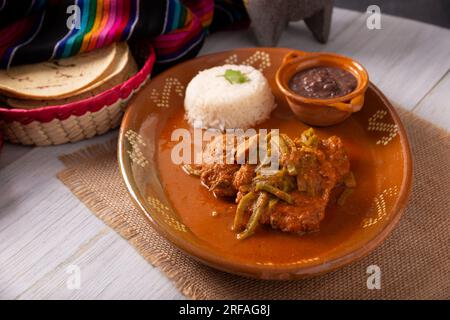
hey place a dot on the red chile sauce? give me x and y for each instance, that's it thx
(323, 82)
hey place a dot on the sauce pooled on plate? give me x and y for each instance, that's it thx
(323, 82)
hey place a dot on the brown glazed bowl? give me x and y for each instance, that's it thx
(176, 204)
(322, 112)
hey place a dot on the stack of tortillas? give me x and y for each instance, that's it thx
(66, 80)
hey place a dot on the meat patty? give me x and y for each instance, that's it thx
(335, 153)
(243, 179)
(244, 176)
(304, 215)
(218, 178)
(318, 172)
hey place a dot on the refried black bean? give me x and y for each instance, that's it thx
(323, 82)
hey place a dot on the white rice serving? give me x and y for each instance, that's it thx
(213, 102)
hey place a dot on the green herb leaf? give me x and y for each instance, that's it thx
(235, 76)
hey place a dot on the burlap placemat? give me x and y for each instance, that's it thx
(414, 260)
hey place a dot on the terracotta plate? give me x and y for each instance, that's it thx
(374, 138)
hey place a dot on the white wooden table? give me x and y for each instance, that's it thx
(44, 228)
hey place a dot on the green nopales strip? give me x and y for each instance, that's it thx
(240, 211)
(260, 206)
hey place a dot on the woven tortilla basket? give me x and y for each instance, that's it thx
(78, 120)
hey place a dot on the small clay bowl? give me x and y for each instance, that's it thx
(322, 112)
